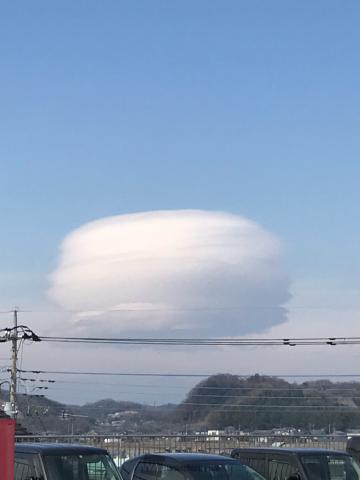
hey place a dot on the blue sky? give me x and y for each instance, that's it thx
(243, 106)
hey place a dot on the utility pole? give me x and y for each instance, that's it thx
(14, 353)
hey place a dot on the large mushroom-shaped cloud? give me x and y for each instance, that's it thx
(192, 271)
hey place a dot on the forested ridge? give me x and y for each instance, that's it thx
(218, 402)
(261, 402)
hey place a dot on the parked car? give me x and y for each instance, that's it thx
(299, 463)
(353, 447)
(186, 466)
(53, 461)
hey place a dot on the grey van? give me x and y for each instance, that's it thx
(299, 463)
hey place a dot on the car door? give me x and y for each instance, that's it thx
(280, 467)
(256, 461)
(28, 466)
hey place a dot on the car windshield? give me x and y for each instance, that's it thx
(80, 467)
(222, 471)
(330, 467)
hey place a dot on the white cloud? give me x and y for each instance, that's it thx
(187, 270)
(306, 318)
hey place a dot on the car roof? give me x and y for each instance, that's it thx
(293, 451)
(58, 449)
(185, 458)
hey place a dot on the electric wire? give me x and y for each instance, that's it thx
(190, 375)
(185, 308)
(200, 387)
(292, 342)
(259, 397)
(255, 406)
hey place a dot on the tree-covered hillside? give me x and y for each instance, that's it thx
(260, 402)
(220, 401)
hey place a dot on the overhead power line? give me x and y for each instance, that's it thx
(255, 406)
(37, 380)
(22, 332)
(206, 396)
(259, 396)
(200, 387)
(123, 374)
(190, 375)
(238, 342)
(284, 410)
(189, 308)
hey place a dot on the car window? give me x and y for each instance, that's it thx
(280, 470)
(222, 471)
(27, 466)
(156, 471)
(337, 468)
(315, 468)
(97, 471)
(257, 462)
(127, 468)
(330, 467)
(80, 467)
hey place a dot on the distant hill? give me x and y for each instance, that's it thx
(42, 415)
(220, 401)
(260, 402)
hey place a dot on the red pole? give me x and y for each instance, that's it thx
(7, 448)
